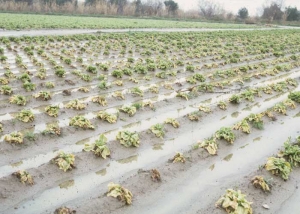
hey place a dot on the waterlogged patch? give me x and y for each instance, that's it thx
(228, 157)
(297, 115)
(235, 114)
(212, 167)
(223, 117)
(82, 142)
(207, 101)
(271, 98)
(66, 184)
(128, 160)
(158, 146)
(101, 172)
(17, 164)
(242, 147)
(257, 139)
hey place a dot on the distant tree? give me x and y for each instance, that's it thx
(273, 12)
(138, 7)
(58, 2)
(292, 14)
(209, 8)
(120, 3)
(243, 13)
(29, 2)
(171, 6)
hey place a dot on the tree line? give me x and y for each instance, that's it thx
(208, 9)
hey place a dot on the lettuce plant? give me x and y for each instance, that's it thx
(75, 104)
(52, 110)
(260, 182)
(234, 202)
(178, 157)
(210, 145)
(173, 122)
(18, 99)
(111, 118)
(64, 161)
(24, 177)
(81, 122)
(14, 137)
(99, 147)
(158, 130)
(128, 139)
(226, 134)
(119, 192)
(100, 99)
(25, 116)
(279, 166)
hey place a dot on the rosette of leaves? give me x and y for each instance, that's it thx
(64, 210)
(289, 103)
(52, 129)
(158, 130)
(5, 89)
(137, 91)
(155, 175)
(260, 182)
(14, 137)
(49, 85)
(222, 105)
(60, 72)
(99, 147)
(52, 110)
(210, 145)
(154, 89)
(24, 77)
(295, 96)
(91, 69)
(291, 82)
(75, 104)
(173, 122)
(84, 89)
(226, 134)
(280, 108)
(248, 95)
(100, 99)
(117, 73)
(199, 77)
(194, 116)
(242, 126)
(18, 99)
(183, 95)
(25, 116)
(81, 122)
(44, 95)
(130, 110)
(29, 86)
(24, 177)
(118, 82)
(111, 118)
(86, 77)
(278, 166)
(64, 161)
(236, 99)
(256, 120)
(205, 109)
(118, 94)
(234, 202)
(103, 85)
(119, 192)
(291, 153)
(178, 157)
(4, 81)
(128, 139)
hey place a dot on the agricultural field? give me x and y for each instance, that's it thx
(198, 122)
(11, 21)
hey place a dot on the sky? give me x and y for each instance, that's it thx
(253, 6)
